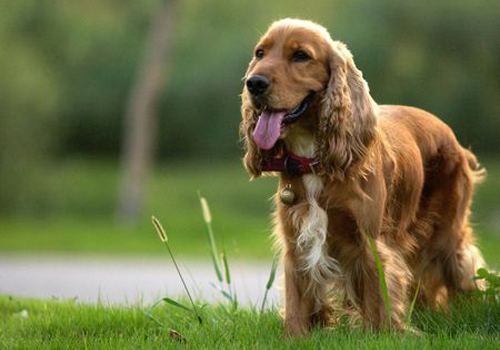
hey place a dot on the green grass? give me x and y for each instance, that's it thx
(471, 324)
(78, 216)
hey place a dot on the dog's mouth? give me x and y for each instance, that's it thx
(271, 123)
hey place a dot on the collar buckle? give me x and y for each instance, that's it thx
(293, 166)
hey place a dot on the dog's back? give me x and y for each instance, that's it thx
(436, 177)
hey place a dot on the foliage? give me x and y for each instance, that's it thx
(164, 238)
(492, 279)
(223, 285)
(439, 55)
(68, 68)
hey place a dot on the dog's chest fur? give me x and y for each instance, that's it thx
(311, 221)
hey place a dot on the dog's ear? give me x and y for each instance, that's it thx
(347, 115)
(249, 117)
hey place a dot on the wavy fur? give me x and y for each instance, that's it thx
(395, 173)
(347, 115)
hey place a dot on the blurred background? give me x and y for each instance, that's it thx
(112, 111)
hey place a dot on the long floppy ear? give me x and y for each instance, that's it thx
(252, 158)
(347, 115)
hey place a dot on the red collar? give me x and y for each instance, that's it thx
(291, 164)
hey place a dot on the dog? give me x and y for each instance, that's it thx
(357, 181)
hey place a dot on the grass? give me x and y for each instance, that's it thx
(78, 218)
(473, 321)
(382, 280)
(471, 324)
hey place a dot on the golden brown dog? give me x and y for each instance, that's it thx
(393, 173)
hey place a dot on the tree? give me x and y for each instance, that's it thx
(140, 116)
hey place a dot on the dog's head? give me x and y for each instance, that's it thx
(300, 75)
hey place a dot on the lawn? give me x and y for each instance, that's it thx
(78, 215)
(35, 324)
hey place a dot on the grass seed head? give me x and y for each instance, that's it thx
(206, 210)
(159, 229)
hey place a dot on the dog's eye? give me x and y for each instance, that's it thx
(259, 53)
(300, 56)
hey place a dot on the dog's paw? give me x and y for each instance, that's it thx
(294, 329)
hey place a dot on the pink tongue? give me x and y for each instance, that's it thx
(268, 129)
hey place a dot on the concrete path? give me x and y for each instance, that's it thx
(127, 281)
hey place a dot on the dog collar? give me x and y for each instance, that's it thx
(291, 164)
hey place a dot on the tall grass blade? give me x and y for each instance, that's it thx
(232, 292)
(270, 281)
(161, 232)
(382, 281)
(272, 275)
(154, 319)
(207, 217)
(177, 304)
(413, 302)
(227, 295)
(222, 291)
(226, 268)
(219, 262)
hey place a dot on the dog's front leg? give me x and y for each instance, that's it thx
(298, 304)
(365, 283)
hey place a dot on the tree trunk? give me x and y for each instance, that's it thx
(140, 114)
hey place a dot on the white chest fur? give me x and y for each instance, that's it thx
(313, 223)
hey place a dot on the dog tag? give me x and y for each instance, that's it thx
(287, 196)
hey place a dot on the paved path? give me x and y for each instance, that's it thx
(127, 281)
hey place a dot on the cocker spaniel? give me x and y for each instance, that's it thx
(355, 178)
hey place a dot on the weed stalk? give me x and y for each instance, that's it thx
(164, 238)
(207, 217)
(270, 282)
(382, 280)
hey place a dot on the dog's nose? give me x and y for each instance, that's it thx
(257, 84)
